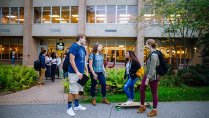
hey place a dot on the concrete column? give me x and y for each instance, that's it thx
(30, 44)
(81, 18)
(140, 37)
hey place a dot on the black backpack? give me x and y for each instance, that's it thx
(162, 69)
(37, 65)
(66, 63)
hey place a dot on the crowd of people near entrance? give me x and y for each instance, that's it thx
(51, 66)
(79, 64)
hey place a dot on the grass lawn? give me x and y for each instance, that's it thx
(165, 94)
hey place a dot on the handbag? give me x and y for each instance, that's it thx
(140, 72)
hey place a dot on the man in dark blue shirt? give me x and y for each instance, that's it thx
(76, 68)
(43, 66)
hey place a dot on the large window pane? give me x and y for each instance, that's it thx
(132, 14)
(74, 14)
(14, 15)
(5, 18)
(21, 15)
(90, 12)
(148, 13)
(5, 48)
(65, 17)
(111, 13)
(37, 15)
(100, 14)
(46, 15)
(55, 15)
(121, 14)
(0, 14)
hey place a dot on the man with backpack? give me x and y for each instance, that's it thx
(42, 67)
(77, 59)
(155, 66)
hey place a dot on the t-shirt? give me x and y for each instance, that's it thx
(79, 52)
(97, 62)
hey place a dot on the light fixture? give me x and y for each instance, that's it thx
(20, 19)
(149, 15)
(54, 16)
(101, 18)
(10, 49)
(12, 16)
(178, 52)
(100, 15)
(59, 19)
(182, 52)
(74, 15)
(167, 50)
(2, 48)
(195, 48)
(124, 15)
(121, 46)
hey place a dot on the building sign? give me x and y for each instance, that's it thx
(60, 46)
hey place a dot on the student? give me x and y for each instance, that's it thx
(53, 66)
(13, 57)
(132, 65)
(97, 69)
(43, 67)
(48, 66)
(151, 78)
(58, 71)
(65, 71)
(76, 67)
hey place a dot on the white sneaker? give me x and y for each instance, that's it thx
(70, 112)
(128, 102)
(80, 107)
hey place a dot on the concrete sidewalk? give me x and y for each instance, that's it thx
(50, 93)
(166, 110)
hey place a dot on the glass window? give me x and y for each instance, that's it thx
(100, 14)
(132, 14)
(148, 14)
(90, 12)
(55, 15)
(111, 13)
(74, 14)
(0, 47)
(65, 16)
(5, 18)
(0, 14)
(21, 15)
(14, 15)
(121, 14)
(5, 48)
(37, 15)
(46, 15)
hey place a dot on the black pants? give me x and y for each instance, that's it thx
(53, 71)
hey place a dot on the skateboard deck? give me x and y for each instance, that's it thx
(134, 104)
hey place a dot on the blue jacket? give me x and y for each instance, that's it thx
(42, 61)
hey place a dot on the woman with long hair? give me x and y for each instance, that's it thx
(150, 78)
(53, 66)
(97, 70)
(132, 65)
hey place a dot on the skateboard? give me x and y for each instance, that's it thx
(134, 104)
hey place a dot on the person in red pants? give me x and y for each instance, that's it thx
(150, 78)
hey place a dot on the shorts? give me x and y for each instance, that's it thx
(74, 87)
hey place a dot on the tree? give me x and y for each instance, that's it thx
(185, 19)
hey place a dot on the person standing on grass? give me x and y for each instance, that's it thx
(132, 65)
(150, 78)
(76, 68)
(43, 67)
(96, 65)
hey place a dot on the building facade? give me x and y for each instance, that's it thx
(27, 26)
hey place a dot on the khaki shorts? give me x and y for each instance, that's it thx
(74, 87)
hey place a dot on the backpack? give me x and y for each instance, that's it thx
(162, 69)
(66, 63)
(37, 65)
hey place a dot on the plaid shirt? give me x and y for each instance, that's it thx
(97, 62)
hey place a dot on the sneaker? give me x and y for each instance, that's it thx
(128, 102)
(80, 108)
(70, 112)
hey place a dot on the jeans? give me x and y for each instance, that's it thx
(154, 86)
(13, 60)
(102, 82)
(53, 71)
(65, 74)
(48, 71)
(129, 88)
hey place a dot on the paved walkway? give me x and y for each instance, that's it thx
(49, 101)
(166, 110)
(51, 93)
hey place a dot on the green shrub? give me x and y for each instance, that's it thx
(194, 76)
(170, 81)
(115, 82)
(15, 78)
